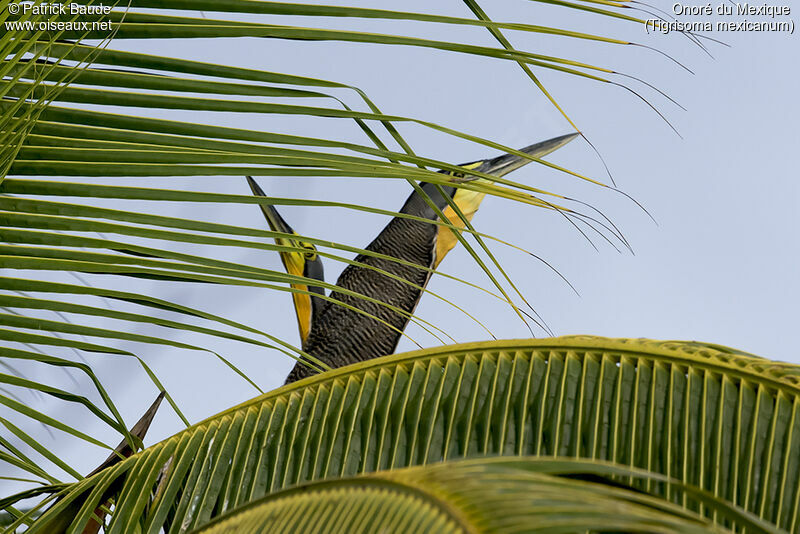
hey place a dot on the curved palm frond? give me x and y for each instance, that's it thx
(486, 495)
(707, 417)
(56, 121)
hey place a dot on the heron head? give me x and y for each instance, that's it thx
(300, 258)
(502, 165)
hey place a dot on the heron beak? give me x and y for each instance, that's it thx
(274, 219)
(469, 201)
(306, 264)
(502, 165)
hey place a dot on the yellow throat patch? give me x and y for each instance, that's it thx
(468, 202)
(294, 263)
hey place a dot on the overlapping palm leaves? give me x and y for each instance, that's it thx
(47, 132)
(696, 435)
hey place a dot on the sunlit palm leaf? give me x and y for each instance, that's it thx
(519, 495)
(45, 82)
(709, 417)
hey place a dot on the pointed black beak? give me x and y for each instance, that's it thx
(274, 219)
(502, 165)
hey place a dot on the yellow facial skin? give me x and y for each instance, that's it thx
(294, 263)
(468, 202)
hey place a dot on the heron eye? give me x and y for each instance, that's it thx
(311, 253)
(458, 174)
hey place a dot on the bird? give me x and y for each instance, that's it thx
(338, 335)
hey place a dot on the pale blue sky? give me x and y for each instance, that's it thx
(721, 265)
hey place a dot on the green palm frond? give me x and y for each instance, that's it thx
(57, 90)
(486, 495)
(718, 423)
